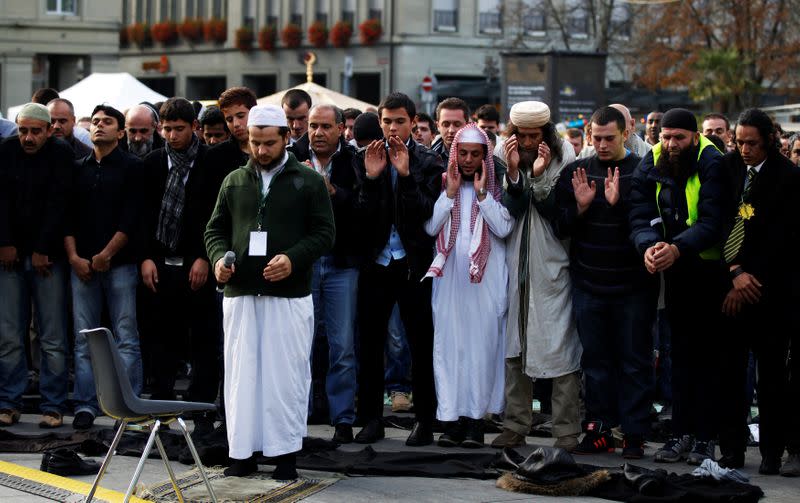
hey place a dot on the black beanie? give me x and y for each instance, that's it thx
(679, 118)
(367, 127)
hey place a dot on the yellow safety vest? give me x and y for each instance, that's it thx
(692, 192)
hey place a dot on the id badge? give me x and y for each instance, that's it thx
(258, 244)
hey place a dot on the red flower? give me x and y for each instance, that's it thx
(341, 34)
(191, 30)
(165, 32)
(318, 34)
(139, 33)
(292, 35)
(216, 30)
(266, 37)
(370, 31)
(244, 39)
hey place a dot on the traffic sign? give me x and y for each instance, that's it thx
(427, 84)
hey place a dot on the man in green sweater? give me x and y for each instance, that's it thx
(275, 215)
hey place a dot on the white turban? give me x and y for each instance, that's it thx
(529, 114)
(267, 115)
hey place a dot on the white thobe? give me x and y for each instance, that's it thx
(469, 319)
(267, 373)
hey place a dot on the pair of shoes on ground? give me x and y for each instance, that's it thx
(66, 462)
(373, 430)
(771, 465)
(599, 439)
(401, 401)
(49, 419)
(685, 447)
(466, 432)
(508, 438)
(343, 433)
(83, 420)
(9, 417)
(285, 467)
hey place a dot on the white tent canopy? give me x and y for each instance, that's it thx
(120, 90)
(319, 95)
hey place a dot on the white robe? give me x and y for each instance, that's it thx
(469, 318)
(267, 373)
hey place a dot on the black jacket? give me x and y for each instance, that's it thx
(33, 196)
(706, 232)
(106, 199)
(771, 235)
(224, 158)
(349, 248)
(200, 195)
(408, 206)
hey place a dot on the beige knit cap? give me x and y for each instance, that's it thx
(530, 114)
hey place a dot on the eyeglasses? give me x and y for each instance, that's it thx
(133, 130)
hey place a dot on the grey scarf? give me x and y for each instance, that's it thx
(169, 219)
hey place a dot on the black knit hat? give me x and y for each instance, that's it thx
(367, 127)
(679, 118)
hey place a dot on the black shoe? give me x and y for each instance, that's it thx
(598, 439)
(66, 462)
(731, 461)
(453, 434)
(473, 439)
(632, 447)
(202, 427)
(371, 432)
(421, 434)
(285, 467)
(343, 433)
(83, 420)
(770, 465)
(241, 467)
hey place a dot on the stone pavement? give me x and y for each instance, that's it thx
(379, 489)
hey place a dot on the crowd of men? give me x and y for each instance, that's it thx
(502, 261)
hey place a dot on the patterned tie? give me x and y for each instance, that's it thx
(736, 238)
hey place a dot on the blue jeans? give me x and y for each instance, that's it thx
(398, 356)
(616, 334)
(117, 288)
(334, 291)
(49, 295)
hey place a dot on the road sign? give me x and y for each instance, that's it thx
(427, 84)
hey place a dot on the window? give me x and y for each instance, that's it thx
(126, 13)
(173, 9)
(273, 7)
(188, 11)
(445, 15)
(534, 17)
(349, 11)
(296, 13)
(375, 10)
(148, 12)
(621, 22)
(68, 7)
(219, 9)
(140, 11)
(164, 11)
(489, 16)
(577, 20)
(249, 14)
(321, 11)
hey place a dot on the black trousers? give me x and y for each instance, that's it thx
(693, 294)
(182, 322)
(380, 288)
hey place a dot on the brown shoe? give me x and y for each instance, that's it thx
(9, 417)
(567, 442)
(508, 438)
(51, 419)
(401, 402)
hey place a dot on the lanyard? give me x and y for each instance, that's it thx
(262, 195)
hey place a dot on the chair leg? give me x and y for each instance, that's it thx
(197, 461)
(107, 460)
(147, 448)
(163, 453)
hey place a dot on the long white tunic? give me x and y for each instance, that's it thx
(267, 373)
(469, 318)
(550, 341)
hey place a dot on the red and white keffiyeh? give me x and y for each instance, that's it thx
(480, 244)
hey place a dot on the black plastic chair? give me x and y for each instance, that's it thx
(117, 400)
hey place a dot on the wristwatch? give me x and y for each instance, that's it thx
(482, 191)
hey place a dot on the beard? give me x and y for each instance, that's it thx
(140, 148)
(527, 158)
(267, 167)
(677, 165)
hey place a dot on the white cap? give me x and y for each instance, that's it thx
(267, 115)
(530, 114)
(472, 135)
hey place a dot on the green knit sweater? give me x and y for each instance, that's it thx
(298, 220)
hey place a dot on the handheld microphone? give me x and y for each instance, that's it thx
(227, 261)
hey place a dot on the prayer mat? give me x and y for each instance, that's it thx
(256, 488)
